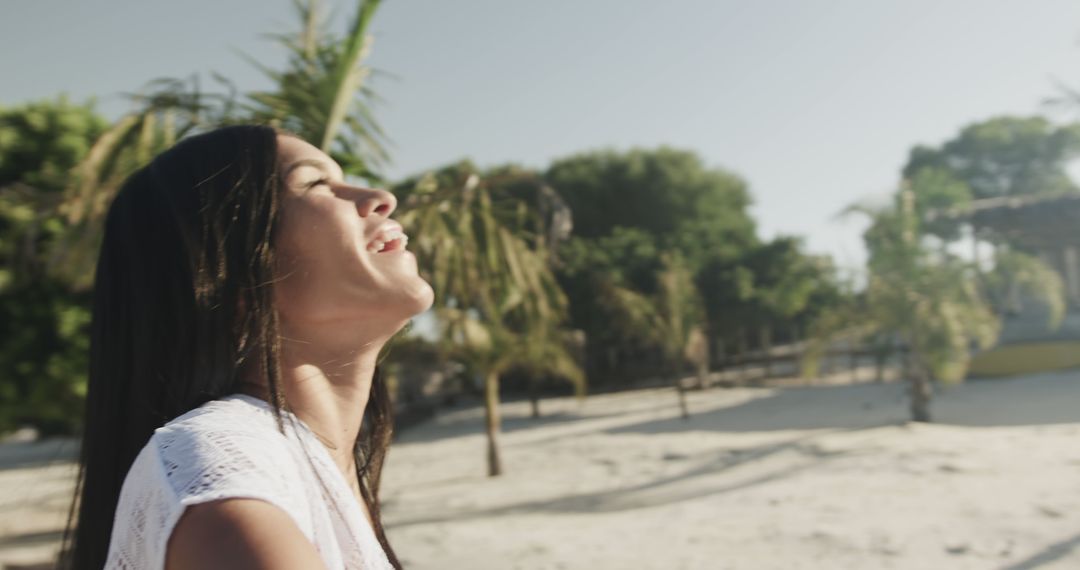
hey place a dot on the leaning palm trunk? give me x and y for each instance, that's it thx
(681, 391)
(697, 353)
(921, 393)
(534, 399)
(918, 376)
(767, 348)
(742, 357)
(491, 408)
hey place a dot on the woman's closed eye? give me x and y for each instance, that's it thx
(314, 183)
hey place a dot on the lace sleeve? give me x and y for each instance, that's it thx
(183, 466)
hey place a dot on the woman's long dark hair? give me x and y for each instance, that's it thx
(183, 308)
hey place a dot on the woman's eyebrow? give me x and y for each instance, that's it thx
(318, 163)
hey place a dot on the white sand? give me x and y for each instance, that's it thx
(825, 477)
(36, 482)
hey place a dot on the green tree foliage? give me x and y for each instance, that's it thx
(669, 194)
(938, 190)
(630, 209)
(43, 324)
(628, 259)
(784, 277)
(669, 318)
(43, 357)
(41, 141)
(774, 285)
(728, 291)
(1005, 156)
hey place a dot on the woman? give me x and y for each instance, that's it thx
(235, 415)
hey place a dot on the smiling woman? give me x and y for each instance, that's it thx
(235, 414)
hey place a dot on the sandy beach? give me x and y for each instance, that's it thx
(759, 478)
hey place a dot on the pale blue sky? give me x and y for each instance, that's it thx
(815, 104)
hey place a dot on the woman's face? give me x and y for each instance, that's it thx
(340, 256)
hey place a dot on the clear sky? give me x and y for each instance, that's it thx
(815, 104)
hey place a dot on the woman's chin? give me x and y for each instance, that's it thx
(421, 295)
(401, 278)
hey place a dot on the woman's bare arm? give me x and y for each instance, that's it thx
(241, 534)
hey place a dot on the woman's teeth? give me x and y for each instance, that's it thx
(387, 239)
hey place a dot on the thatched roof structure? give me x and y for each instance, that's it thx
(1030, 222)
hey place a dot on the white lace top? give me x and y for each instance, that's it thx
(231, 448)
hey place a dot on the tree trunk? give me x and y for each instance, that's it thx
(681, 392)
(854, 361)
(703, 375)
(718, 356)
(491, 406)
(766, 345)
(1015, 304)
(741, 356)
(905, 364)
(920, 393)
(796, 334)
(697, 352)
(534, 399)
(881, 358)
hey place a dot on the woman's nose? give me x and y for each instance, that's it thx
(376, 201)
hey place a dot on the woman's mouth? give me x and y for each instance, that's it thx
(390, 239)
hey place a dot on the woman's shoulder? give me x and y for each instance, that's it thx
(228, 448)
(224, 444)
(238, 414)
(225, 449)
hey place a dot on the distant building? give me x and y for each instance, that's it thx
(1049, 228)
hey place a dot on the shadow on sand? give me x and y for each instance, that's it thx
(802, 408)
(1051, 553)
(1034, 400)
(24, 455)
(473, 424)
(664, 490)
(1044, 399)
(31, 539)
(1039, 399)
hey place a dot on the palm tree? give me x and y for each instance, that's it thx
(672, 319)
(497, 301)
(926, 298)
(680, 319)
(321, 96)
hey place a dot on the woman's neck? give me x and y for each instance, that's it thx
(326, 378)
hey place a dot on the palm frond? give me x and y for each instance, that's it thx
(349, 74)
